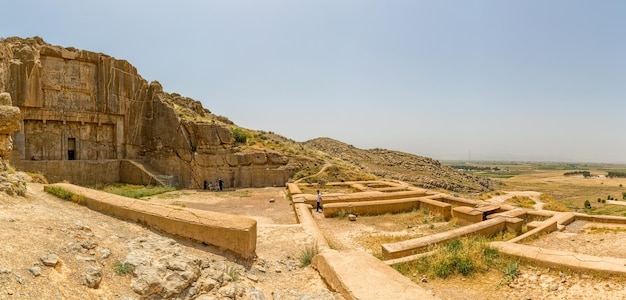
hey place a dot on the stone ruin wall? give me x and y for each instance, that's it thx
(78, 107)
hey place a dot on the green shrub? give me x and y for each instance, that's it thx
(306, 256)
(511, 271)
(123, 268)
(463, 256)
(239, 135)
(233, 272)
(587, 204)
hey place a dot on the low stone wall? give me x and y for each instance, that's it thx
(303, 214)
(546, 226)
(358, 275)
(454, 201)
(83, 172)
(414, 246)
(378, 207)
(467, 214)
(294, 189)
(521, 213)
(232, 233)
(600, 219)
(438, 208)
(365, 196)
(569, 260)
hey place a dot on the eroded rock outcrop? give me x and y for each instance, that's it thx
(10, 182)
(82, 112)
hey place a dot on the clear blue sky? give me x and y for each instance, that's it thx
(512, 80)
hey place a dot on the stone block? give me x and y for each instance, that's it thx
(228, 232)
(338, 270)
(467, 214)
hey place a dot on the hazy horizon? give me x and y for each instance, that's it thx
(512, 81)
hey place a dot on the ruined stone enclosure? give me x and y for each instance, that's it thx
(536, 232)
(91, 119)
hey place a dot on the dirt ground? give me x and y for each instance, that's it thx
(40, 224)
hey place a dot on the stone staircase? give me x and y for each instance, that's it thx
(144, 173)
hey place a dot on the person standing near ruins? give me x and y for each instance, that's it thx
(220, 184)
(319, 202)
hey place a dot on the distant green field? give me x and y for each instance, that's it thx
(494, 175)
(557, 166)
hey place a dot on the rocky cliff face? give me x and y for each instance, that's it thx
(79, 106)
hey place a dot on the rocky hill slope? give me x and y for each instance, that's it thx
(418, 170)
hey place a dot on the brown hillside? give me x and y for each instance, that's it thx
(418, 170)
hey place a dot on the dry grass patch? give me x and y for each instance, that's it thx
(489, 195)
(522, 201)
(463, 256)
(605, 230)
(551, 204)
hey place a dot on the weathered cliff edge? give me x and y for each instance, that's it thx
(83, 114)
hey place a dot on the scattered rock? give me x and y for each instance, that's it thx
(555, 287)
(352, 217)
(81, 226)
(105, 253)
(146, 281)
(254, 294)
(92, 277)
(228, 291)
(50, 260)
(272, 200)
(162, 270)
(82, 258)
(88, 245)
(253, 277)
(36, 271)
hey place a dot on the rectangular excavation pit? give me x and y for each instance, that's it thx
(418, 245)
(380, 207)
